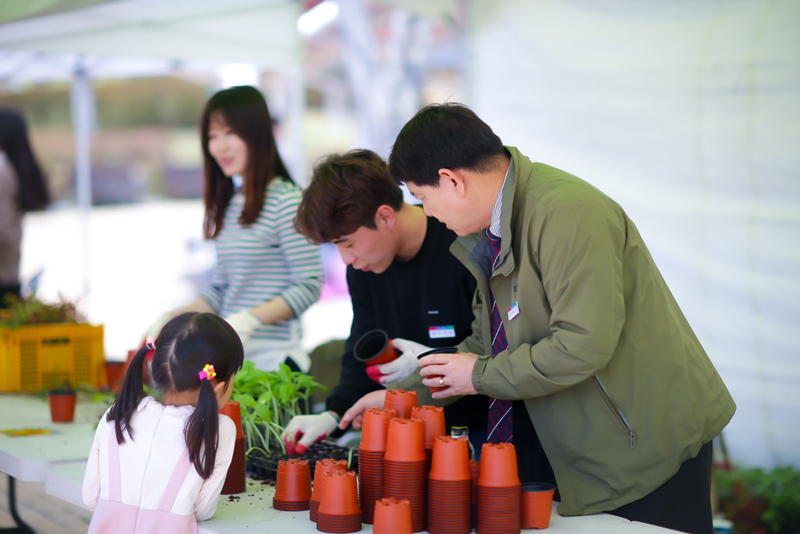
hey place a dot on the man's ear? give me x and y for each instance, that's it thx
(453, 179)
(385, 216)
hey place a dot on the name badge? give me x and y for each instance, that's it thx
(438, 332)
(513, 310)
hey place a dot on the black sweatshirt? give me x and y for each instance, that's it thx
(410, 300)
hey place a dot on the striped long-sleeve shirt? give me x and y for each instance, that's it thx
(265, 260)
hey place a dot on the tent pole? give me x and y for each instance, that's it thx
(81, 103)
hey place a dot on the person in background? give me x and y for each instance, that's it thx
(177, 450)
(401, 279)
(266, 273)
(596, 375)
(22, 189)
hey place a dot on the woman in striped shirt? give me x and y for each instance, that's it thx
(266, 274)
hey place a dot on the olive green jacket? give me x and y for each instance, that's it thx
(617, 385)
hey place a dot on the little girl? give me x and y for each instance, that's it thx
(160, 466)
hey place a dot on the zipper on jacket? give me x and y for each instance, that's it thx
(621, 416)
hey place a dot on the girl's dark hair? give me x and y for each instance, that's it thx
(245, 111)
(345, 192)
(33, 193)
(449, 136)
(185, 345)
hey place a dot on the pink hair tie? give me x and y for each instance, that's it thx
(150, 343)
(208, 372)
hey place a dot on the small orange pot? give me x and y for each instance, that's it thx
(404, 441)
(115, 373)
(339, 494)
(401, 401)
(62, 405)
(450, 460)
(374, 429)
(498, 466)
(537, 505)
(432, 418)
(235, 480)
(293, 482)
(392, 516)
(232, 410)
(375, 348)
(328, 465)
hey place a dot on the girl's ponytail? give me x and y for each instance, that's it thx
(202, 430)
(129, 396)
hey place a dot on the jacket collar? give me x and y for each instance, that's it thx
(518, 175)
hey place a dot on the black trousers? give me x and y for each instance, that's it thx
(681, 503)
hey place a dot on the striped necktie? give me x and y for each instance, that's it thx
(500, 429)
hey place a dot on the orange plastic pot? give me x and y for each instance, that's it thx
(450, 460)
(404, 441)
(62, 405)
(293, 482)
(375, 348)
(498, 467)
(392, 516)
(432, 418)
(235, 480)
(401, 401)
(328, 465)
(339, 494)
(537, 505)
(440, 350)
(375, 428)
(232, 410)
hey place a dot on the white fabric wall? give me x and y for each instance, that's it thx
(688, 115)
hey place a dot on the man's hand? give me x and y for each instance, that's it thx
(245, 323)
(405, 364)
(374, 399)
(453, 371)
(305, 430)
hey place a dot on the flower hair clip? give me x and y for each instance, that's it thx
(208, 372)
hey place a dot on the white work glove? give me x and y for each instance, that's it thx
(245, 323)
(305, 430)
(155, 328)
(405, 364)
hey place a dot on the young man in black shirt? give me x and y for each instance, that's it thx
(402, 279)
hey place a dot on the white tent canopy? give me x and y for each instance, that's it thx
(687, 114)
(253, 31)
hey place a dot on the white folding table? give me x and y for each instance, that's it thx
(252, 511)
(28, 457)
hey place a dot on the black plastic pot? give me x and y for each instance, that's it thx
(261, 468)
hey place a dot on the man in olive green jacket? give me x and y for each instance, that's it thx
(614, 380)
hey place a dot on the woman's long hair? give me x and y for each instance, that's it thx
(33, 193)
(185, 345)
(245, 111)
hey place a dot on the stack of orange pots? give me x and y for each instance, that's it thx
(401, 401)
(235, 480)
(327, 465)
(474, 469)
(339, 510)
(370, 459)
(392, 516)
(433, 419)
(450, 487)
(498, 490)
(405, 467)
(293, 486)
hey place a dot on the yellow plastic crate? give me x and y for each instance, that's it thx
(38, 357)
